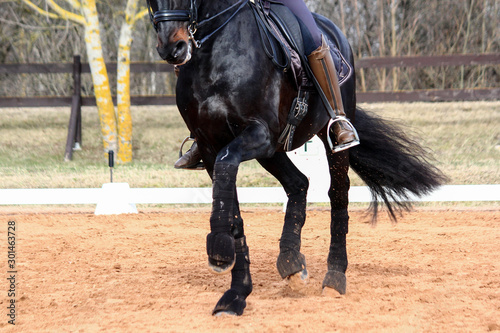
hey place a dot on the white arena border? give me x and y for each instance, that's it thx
(310, 159)
(77, 196)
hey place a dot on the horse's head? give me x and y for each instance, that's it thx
(175, 24)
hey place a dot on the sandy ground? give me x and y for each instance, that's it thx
(437, 270)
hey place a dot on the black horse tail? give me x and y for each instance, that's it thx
(394, 166)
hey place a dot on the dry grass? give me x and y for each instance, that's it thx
(465, 139)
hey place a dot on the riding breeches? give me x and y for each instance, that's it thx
(308, 27)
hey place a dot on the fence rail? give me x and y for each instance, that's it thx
(430, 61)
(367, 63)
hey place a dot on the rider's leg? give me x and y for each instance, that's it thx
(321, 62)
(323, 68)
(310, 32)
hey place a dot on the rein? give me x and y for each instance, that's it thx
(191, 15)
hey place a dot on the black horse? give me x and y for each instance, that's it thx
(236, 102)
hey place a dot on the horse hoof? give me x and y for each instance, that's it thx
(291, 262)
(331, 293)
(298, 281)
(219, 267)
(225, 314)
(221, 252)
(334, 281)
(231, 303)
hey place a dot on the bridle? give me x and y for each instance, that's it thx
(191, 16)
(173, 15)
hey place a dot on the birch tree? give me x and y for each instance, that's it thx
(100, 79)
(124, 117)
(116, 129)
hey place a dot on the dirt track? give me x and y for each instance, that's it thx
(435, 271)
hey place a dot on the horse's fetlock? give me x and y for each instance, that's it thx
(241, 245)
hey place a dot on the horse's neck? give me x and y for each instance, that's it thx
(209, 8)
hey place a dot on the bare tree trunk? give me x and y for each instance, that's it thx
(100, 77)
(394, 45)
(360, 54)
(342, 15)
(383, 71)
(124, 117)
(484, 37)
(466, 41)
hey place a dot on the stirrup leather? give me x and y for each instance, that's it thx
(345, 146)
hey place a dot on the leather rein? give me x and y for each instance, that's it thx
(191, 15)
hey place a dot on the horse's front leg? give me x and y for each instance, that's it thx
(253, 142)
(226, 245)
(234, 300)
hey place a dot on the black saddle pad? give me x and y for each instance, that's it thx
(288, 27)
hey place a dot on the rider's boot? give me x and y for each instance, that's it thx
(191, 159)
(323, 68)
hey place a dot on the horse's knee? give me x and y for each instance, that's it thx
(296, 184)
(254, 142)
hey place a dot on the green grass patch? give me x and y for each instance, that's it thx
(464, 138)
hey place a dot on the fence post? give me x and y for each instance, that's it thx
(77, 91)
(74, 138)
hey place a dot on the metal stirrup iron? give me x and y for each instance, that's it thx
(348, 145)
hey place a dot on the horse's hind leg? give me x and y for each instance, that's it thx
(339, 187)
(291, 263)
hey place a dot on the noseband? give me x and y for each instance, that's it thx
(191, 15)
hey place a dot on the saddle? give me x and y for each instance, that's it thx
(282, 41)
(284, 44)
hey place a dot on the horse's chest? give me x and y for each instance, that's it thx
(214, 106)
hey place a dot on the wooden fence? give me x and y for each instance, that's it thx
(434, 95)
(78, 68)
